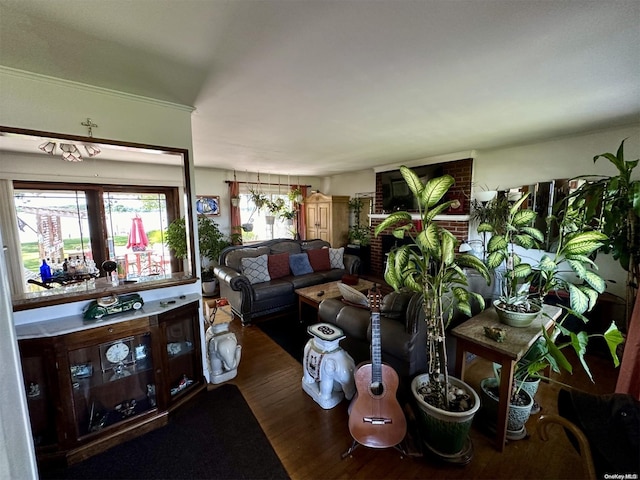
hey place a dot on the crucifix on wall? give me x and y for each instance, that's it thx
(90, 126)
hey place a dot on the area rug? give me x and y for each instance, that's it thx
(215, 436)
(287, 332)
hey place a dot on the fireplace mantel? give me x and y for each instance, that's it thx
(416, 216)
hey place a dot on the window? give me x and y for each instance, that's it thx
(76, 228)
(263, 228)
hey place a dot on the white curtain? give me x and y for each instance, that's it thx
(11, 237)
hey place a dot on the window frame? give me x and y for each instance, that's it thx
(96, 215)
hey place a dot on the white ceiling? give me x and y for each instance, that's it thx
(323, 86)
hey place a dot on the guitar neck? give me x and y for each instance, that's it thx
(376, 349)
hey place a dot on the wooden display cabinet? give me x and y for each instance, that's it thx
(91, 389)
(328, 218)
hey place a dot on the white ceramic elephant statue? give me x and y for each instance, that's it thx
(223, 352)
(327, 372)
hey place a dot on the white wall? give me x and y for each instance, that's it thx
(565, 157)
(211, 181)
(44, 103)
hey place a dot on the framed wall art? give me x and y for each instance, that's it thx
(208, 205)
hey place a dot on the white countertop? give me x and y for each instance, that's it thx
(74, 323)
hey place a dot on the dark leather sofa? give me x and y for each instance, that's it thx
(250, 301)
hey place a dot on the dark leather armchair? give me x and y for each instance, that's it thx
(402, 330)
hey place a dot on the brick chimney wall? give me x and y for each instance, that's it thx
(461, 171)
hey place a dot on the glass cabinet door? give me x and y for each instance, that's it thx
(111, 382)
(182, 365)
(37, 371)
(181, 354)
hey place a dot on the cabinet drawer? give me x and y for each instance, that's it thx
(107, 332)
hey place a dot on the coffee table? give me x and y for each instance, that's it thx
(309, 295)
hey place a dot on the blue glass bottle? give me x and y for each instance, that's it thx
(45, 271)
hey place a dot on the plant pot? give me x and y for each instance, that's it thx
(517, 414)
(445, 433)
(530, 384)
(516, 319)
(270, 219)
(485, 196)
(247, 227)
(209, 288)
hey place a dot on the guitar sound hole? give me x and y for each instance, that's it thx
(377, 389)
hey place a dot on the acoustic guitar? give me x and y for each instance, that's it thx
(376, 419)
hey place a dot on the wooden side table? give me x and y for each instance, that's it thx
(470, 338)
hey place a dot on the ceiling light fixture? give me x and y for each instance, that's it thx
(48, 147)
(92, 150)
(70, 151)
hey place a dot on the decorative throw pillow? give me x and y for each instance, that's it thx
(336, 257)
(278, 265)
(256, 269)
(299, 264)
(319, 259)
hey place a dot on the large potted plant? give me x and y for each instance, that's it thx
(611, 204)
(211, 242)
(429, 265)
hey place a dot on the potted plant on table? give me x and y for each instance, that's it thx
(575, 244)
(515, 306)
(211, 242)
(429, 265)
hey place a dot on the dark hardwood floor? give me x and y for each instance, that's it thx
(310, 440)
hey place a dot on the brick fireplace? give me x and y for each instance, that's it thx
(457, 222)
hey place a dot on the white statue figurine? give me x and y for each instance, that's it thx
(327, 368)
(223, 353)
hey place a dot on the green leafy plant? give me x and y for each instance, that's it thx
(574, 246)
(506, 233)
(611, 205)
(494, 212)
(295, 195)
(358, 233)
(429, 265)
(259, 199)
(287, 214)
(276, 207)
(211, 241)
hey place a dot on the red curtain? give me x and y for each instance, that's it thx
(629, 375)
(234, 192)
